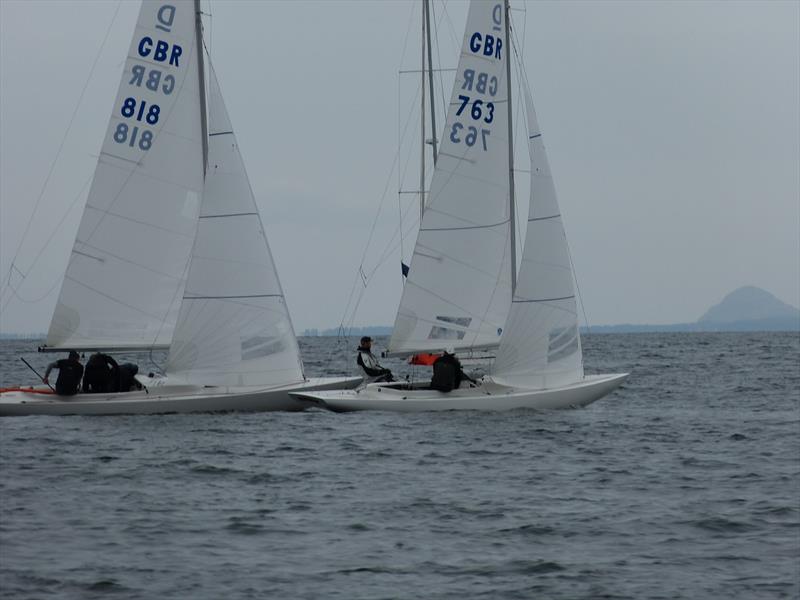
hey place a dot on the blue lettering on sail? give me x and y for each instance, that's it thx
(160, 52)
(474, 42)
(137, 113)
(123, 134)
(481, 84)
(487, 44)
(145, 45)
(153, 79)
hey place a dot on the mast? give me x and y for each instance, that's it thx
(422, 133)
(512, 206)
(427, 4)
(201, 82)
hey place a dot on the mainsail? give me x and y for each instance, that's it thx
(234, 327)
(459, 286)
(541, 343)
(125, 277)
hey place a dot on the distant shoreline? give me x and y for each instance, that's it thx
(596, 330)
(761, 325)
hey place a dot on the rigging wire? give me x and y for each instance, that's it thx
(360, 274)
(454, 39)
(58, 154)
(344, 331)
(15, 291)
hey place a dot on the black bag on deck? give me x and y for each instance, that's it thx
(444, 376)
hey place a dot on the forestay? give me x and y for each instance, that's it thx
(459, 286)
(234, 327)
(541, 343)
(126, 273)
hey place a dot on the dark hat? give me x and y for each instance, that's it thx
(73, 354)
(366, 339)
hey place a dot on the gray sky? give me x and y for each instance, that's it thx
(673, 132)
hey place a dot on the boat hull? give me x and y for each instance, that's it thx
(489, 396)
(182, 399)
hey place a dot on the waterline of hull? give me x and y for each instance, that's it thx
(183, 399)
(488, 396)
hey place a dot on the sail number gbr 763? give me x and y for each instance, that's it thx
(475, 107)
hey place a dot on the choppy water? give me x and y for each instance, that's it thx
(683, 484)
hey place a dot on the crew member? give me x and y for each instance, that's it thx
(447, 372)
(102, 375)
(70, 371)
(367, 361)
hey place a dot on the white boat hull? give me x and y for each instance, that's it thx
(489, 396)
(170, 399)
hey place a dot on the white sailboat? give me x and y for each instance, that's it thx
(171, 252)
(462, 291)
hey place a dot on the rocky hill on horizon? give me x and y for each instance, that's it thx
(748, 308)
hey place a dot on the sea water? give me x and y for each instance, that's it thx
(685, 483)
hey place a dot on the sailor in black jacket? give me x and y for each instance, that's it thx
(367, 361)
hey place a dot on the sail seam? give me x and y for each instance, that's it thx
(463, 228)
(544, 299)
(227, 215)
(475, 316)
(220, 133)
(535, 135)
(464, 158)
(142, 174)
(122, 158)
(489, 274)
(232, 297)
(132, 220)
(122, 259)
(117, 300)
(544, 218)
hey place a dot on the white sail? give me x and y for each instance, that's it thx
(126, 273)
(459, 285)
(541, 343)
(234, 327)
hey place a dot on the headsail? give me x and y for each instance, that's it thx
(541, 342)
(459, 286)
(128, 265)
(234, 327)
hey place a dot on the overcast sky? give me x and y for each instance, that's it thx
(673, 132)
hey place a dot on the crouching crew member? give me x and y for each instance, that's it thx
(102, 375)
(447, 373)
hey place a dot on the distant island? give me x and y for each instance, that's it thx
(22, 336)
(748, 308)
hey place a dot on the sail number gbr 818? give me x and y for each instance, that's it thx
(476, 105)
(136, 112)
